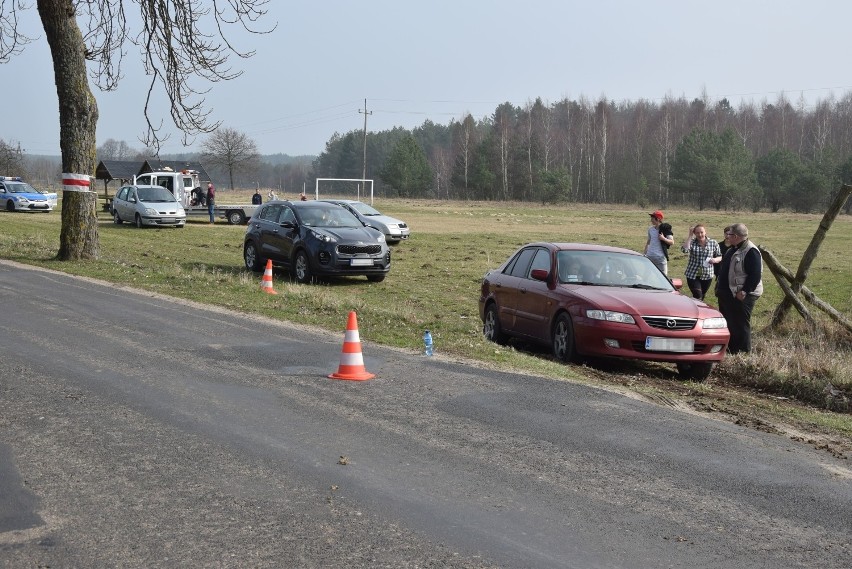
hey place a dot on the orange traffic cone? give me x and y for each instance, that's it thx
(266, 283)
(351, 360)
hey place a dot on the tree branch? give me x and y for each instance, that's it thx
(12, 41)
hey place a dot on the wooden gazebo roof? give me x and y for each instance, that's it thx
(117, 170)
(125, 169)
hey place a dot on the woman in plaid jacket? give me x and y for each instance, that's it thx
(703, 254)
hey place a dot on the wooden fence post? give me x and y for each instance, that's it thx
(810, 255)
(780, 272)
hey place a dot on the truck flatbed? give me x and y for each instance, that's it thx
(236, 214)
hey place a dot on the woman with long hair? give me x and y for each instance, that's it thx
(703, 254)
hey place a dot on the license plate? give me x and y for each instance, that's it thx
(361, 262)
(654, 344)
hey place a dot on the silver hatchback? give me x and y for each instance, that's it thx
(395, 230)
(147, 205)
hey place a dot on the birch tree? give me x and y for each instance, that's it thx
(545, 130)
(503, 122)
(602, 119)
(464, 145)
(529, 111)
(665, 145)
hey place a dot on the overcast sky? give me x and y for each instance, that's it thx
(440, 59)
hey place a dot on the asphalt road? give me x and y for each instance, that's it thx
(140, 431)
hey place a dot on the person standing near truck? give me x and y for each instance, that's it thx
(198, 196)
(211, 198)
(257, 199)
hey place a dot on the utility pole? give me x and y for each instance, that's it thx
(364, 171)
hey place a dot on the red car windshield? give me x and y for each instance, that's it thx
(606, 268)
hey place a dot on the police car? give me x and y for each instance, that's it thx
(17, 195)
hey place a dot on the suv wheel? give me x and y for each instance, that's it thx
(302, 268)
(251, 257)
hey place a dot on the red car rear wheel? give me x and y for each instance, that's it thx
(491, 326)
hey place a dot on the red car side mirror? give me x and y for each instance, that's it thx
(540, 274)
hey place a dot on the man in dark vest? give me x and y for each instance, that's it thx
(739, 285)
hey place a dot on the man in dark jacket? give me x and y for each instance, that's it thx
(739, 285)
(211, 200)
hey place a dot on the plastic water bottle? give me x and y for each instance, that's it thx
(427, 342)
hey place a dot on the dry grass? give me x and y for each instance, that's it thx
(812, 366)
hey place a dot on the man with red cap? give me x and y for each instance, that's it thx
(660, 238)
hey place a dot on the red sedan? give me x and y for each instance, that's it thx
(593, 300)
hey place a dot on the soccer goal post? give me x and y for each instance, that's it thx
(345, 188)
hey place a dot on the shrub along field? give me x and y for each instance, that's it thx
(435, 279)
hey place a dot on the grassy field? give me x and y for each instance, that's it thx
(434, 284)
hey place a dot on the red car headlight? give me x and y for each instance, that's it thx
(610, 316)
(714, 323)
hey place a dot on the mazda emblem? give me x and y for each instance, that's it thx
(671, 323)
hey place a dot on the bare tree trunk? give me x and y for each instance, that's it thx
(504, 157)
(441, 166)
(782, 105)
(466, 154)
(78, 119)
(529, 153)
(641, 121)
(665, 142)
(546, 127)
(821, 129)
(801, 108)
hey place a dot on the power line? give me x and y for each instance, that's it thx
(303, 114)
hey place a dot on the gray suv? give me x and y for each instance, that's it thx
(314, 239)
